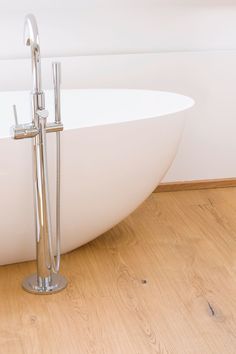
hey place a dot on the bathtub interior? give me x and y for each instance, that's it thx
(91, 107)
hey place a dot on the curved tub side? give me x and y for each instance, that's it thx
(107, 172)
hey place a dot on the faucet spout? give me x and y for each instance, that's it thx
(31, 38)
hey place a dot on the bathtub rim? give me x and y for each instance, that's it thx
(190, 103)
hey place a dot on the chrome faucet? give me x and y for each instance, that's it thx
(47, 280)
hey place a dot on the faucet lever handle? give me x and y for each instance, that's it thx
(22, 131)
(15, 114)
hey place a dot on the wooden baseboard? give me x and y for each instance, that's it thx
(200, 184)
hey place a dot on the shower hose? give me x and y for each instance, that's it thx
(54, 261)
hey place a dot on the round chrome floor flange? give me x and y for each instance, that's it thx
(57, 284)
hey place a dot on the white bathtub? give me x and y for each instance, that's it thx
(116, 147)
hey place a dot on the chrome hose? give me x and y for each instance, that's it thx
(54, 261)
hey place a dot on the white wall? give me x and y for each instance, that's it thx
(88, 27)
(195, 45)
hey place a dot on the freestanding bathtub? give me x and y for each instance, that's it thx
(116, 147)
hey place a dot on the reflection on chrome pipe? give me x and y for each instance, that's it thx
(46, 280)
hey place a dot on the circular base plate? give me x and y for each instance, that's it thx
(57, 284)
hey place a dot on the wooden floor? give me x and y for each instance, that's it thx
(163, 281)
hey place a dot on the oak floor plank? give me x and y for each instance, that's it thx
(163, 281)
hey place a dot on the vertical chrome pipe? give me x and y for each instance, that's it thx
(42, 217)
(56, 69)
(42, 221)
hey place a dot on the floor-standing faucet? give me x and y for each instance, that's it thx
(46, 280)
